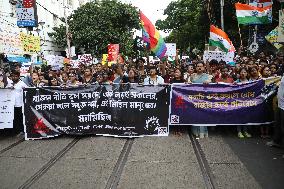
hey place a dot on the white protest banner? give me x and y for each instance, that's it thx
(10, 41)
(86, 59)
(281, 27)
(75, 63)
(219, 55)
(24, 70)
(260, 3)
(171, 49)
(54, 61)
(6, 109)
(72, 51)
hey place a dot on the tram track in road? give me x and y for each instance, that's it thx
(203, 163)
(114, 178)
(11, 146)
(49, 164)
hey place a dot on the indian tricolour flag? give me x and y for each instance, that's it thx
(219, 38)
(247, 14)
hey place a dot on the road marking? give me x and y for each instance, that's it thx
(12, 146)
(203, 164)
(114, 178)
(48, 165)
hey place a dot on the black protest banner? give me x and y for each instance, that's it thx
(124, 111)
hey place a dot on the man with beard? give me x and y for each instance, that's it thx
(200, 77)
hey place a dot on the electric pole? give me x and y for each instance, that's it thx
(67, 31)
(222, 14)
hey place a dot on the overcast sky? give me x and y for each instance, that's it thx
(153, 9)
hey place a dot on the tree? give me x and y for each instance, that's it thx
(184, 20)
(189, 22)
(99, 23)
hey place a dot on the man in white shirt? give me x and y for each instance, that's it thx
(278, 136)
(153, 78)
(17, 85)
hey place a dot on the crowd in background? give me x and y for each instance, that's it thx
(244, 69)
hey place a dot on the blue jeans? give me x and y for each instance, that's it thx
(197, 130)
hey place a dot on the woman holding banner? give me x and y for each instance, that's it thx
(243, 130)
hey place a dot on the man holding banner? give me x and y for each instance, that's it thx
(279, 118)
(200, 77)
(17, 87)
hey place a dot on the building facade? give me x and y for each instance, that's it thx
(49, 13)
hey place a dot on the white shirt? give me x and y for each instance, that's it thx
(280, 94)
(17, 93)
(158, 81)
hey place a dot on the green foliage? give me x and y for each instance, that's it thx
(189, 22)
(99, 23)
(59, 36)
(184, 18)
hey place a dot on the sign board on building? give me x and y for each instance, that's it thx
(26, 13)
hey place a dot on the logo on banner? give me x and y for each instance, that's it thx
(152, 124)
(174, 119)
(179, 103)
(163, 131)
(40, 127)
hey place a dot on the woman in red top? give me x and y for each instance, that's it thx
(225, 77)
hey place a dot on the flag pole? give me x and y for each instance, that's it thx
(240, 35)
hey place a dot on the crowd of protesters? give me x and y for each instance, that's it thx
(244, 69)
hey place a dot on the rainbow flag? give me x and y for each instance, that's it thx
(157, 44)
(146, 38)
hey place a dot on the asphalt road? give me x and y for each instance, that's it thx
(177, 161)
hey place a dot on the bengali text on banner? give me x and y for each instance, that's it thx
(111, 110)
(223, 104)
